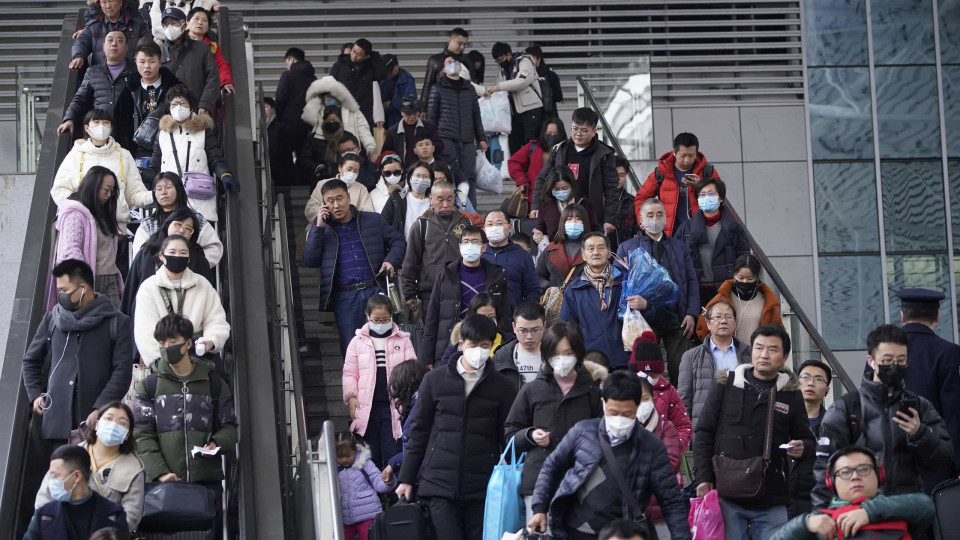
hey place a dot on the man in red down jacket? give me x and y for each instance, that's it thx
(680, 168)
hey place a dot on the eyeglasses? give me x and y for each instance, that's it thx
(719, 318)
(846, 473)
(580, 130)
(806, 377)
(391, 174)
(160, 188)
(530, 331)
(891, 361)
(182, 227)
(180, 102)
(707, 194)
(381, 321)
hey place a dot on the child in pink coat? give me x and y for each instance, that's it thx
(377, 348)
(647, 358)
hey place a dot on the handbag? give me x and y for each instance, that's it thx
(198, 185)
(552, 300)
(743, 479)
(516, 205)
(178, 506)
(636, 511)
(504, 510)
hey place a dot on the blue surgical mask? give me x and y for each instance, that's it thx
(58, 491)
(709, 203)
(561, 194)
(453, 68)
(470, 252)
(331, 102)
(572, 230)
(419, 184)
(111, 433)
(381, 328)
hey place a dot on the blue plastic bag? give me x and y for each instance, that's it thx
(504, 510)
(648, 279)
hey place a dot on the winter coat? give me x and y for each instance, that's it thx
(802, 481)
(351, 117)
(542, 405)
(601, 328)
(522, 283)
(698, 376)
(553, 265)
(670, 407)
(111, 155)
(731, 243)
(443, 311)
(456, 437)
(453, 107)
(667, 433)
(120, 481)
(526, 164)
(96, 26)
(362, 83)
(726, 427)
(405, 85)
(769, 315)
(99, 90)
(201, 305)
(380, 242)
(359, 485)
(915, 508)
(291, 96)
(397, 460)
(579, 454)
(396, 140)
(394, 210)
(524, 87)
(157, 7)
(359, 199)
(194, 64)
(223, 67)
(548, 220)
(434, 72)
(50, 521)
(904, 458)
(677, 261)
(183, 413)
(360, 373)
(145, 265)
(89, 351)
(422, 266)
(313, 161)
(602, 176)
(207, 238)
(197, 134)
(670, 191)
(136, 102)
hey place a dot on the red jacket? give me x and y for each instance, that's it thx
(667, 401)
(525, 165)
(669, 193)
(667, 433)
(226, 75)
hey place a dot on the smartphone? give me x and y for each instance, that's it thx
(906, 402)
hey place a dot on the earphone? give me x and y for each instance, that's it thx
(877, 466)
(47, 398)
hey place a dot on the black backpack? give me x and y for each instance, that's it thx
(707, 173)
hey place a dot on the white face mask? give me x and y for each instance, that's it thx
(476, 356)
(618, 427)
(172, 32)
(645, 410)
(179, 113)
(563, 364)
(99, 132)
(495, 233)
(348, 177)
(391, 180)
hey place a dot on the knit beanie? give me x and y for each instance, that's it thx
(646, 356)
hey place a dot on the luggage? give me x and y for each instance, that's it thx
(404, 520)
(178, 506)
(946, 500)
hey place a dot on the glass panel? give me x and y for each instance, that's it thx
(841, 123)
(836, 32)
(913, 208)
(953, 170)
(949, 11)
(626, 103)
(951, 107)
(927, 271)
(902, 32)
(850, 286)
(846, 195)
(908, 112)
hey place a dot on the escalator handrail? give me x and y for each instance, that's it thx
(805, 321)
(29, 304)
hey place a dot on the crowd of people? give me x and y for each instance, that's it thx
(461, 335)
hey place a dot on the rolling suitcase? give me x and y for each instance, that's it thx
(946, 500)
(404, 520)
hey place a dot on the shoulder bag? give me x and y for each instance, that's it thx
(743, 479)
(636, 511)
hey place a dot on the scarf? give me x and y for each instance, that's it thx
(711, 221)
(600, 282)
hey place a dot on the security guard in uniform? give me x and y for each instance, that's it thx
(934, 368)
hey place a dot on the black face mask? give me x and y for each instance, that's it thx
(549, 141)
(745, 289)
(65, 301)
(331, 127)
(176, 264)
(505, 64)
(891, 376)
(172, 354)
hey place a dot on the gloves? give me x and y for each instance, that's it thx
(231, 183)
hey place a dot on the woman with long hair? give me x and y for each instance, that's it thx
(390, 181)
(404, 207)
(559, 191)
(565, 250)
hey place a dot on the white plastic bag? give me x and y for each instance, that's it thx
(488, 175)
(633, 325)
(495, 113)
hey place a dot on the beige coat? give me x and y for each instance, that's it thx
(525, 87)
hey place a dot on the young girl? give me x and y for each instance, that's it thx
(404, 389)
(647, 359)
(652, 421)
(360, 481)
(378, 347)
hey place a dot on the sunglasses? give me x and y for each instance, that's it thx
(392, 173)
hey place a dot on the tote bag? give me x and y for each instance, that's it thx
(504, 510)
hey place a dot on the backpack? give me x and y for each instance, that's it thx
(708, 170)
(851, 401)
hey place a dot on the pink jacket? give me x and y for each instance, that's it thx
(77, 239)
(360, 373)
(670, 406)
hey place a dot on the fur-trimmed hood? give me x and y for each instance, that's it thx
(786, 380)
(363, 456)
(314, 107)
(194, 124)
(596, 371)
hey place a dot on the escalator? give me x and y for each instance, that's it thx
(253, 498)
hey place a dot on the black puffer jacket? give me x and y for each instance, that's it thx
(542, 405)
(457, 438)
(731, 243)
(455, 110)
(435, 72)
(903, 457)
(99, 90)
(443, 312)
(358, 78)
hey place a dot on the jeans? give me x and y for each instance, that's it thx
(456, 519)
(379, 435)
(462, 159)
(361, 530)
(676, 345)
(349, 309)
(762, 522)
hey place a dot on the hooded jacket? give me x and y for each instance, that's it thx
(670, 188)
(111, 155)
(193, 63)
(180, 415)
(731, 243)
(542, 405)
(698, 375)
(443, 312)
(361, 81)
(359, 485)
(904, 457)
(454, 108)
(201, 304)
(89, 363)
(524, 87)
(78, 238)
(733, 425)
(601, 328)
(769, 315)
(602, 177)
(430, 246)
(522, 283)
(96, 26)
(353, 119)
(677, 261)
(190, 146)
